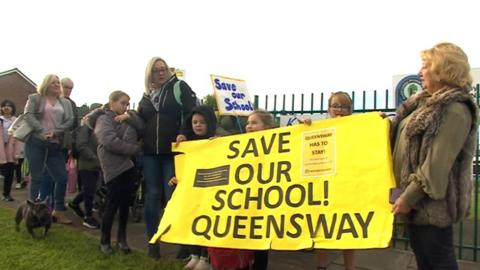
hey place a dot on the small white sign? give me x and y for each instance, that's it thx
(232, 96)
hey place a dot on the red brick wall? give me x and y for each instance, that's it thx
(16, 88)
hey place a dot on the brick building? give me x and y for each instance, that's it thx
(16, 86)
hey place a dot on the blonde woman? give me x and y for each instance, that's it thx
(50, 116)
(163, 116)
(434, 139)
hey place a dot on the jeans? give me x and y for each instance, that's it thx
(157, 171)
(433, 247)
(46, 162)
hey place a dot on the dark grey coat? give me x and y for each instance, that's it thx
(117, 142)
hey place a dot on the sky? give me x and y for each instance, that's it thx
(277, 47)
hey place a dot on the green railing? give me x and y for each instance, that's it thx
(467, 239)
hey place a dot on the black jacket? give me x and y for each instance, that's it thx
(163, 126)
(210, 119)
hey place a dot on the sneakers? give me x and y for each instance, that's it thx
(106, 249)
(18, 185)
(8, 198)
(76, 209)
(197, 263)
(192, 263)
(202, 264)
(91, 223)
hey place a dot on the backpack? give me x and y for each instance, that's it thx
(177, 92)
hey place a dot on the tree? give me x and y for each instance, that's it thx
(209, 100)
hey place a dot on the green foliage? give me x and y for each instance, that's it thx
(64, 248)
(209, 100)
(83, 110)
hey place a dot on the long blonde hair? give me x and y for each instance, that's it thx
(148, 73)
(42, 88)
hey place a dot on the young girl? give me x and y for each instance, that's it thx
(116, 133)
(339, 104)
(228, 259)
(88, 173)
(201, 124)
(10, 148)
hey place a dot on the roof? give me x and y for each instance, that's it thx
(16, 70)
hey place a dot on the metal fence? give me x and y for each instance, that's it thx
(466, 235)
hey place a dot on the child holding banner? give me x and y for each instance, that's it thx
(339, 104)
(201, 124)
(227, 259)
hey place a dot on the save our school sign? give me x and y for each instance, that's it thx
(232, 96)
(320, 186)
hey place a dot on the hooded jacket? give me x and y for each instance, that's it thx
(86, 144)
(163, 125)
(117, 142)
(210, 119)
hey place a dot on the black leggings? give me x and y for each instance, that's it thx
(86, 195)
(7, 172)
(261, 260)
(18, 170)
(119, 196)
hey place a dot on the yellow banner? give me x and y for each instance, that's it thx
(320, 186)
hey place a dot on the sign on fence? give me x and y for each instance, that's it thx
(320, 186)
(232, 96)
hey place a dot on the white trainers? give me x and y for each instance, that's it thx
(192, 263)
(202, 264)
(18, 185)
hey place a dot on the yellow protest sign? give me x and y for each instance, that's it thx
(323, 186)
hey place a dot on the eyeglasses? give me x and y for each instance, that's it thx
(342, 108)
(155, 70)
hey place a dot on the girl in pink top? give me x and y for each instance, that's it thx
(10, 148)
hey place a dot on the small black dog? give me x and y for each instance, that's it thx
(35, 214)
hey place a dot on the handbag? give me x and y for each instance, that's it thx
(20, 129)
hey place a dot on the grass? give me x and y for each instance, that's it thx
(64, 248)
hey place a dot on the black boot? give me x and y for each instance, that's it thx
(122, 243)
(122, 230)
(154, 251)
(105, 246)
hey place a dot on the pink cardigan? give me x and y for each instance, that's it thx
(11, 151)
